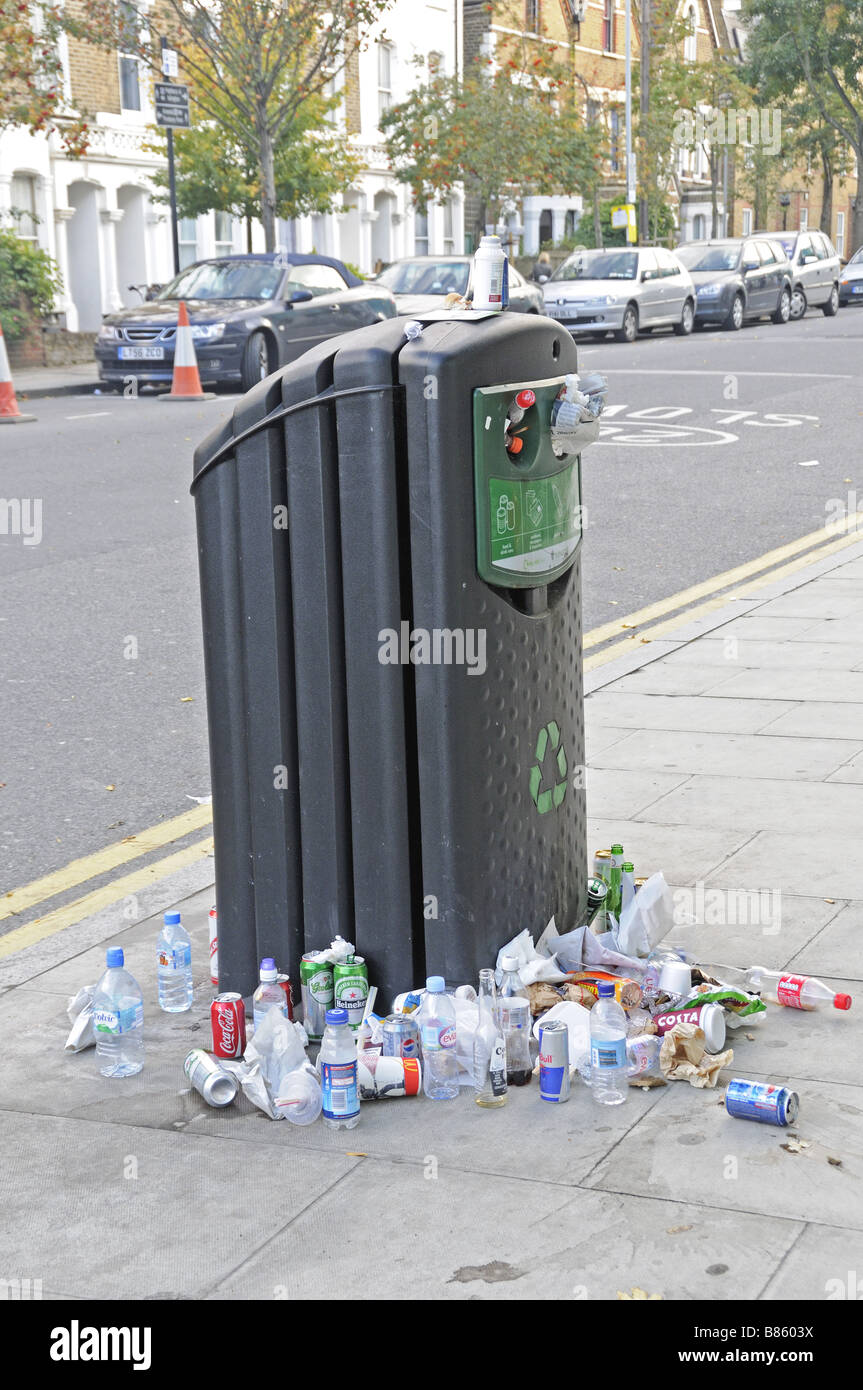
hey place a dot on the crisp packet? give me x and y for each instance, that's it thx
(737, 1001)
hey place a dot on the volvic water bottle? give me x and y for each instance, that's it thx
(174, 958)
(437, 1031)
(338, 1063)
(118, 1019)
(608, 1060)
(269, 994)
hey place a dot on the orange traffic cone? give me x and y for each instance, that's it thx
(186, 385)
(9, 412)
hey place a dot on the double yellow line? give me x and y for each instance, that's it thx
(640, 627)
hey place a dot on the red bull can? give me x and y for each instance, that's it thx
(767, 1105)
(554, 1061)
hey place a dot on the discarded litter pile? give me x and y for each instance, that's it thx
(606, 1002)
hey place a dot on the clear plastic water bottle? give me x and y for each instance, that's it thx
(437, 1032)
(608, 1060)
(338, 1063)
(118, 1019)
(174, 959)
(269, 994)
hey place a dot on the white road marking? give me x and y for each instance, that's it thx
(90, 415)
(808, 463)
(664, 371)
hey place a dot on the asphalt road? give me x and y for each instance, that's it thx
(101, 679)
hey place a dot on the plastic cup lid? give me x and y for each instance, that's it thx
(675, 977)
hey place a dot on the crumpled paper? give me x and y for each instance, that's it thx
(684, 1057)
(80, 1013)
(335, 954)
(277, 1048)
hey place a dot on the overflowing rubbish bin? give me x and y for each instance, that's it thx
(389, 540)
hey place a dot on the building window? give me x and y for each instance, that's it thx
(608, 26)
(690, 43)
(23, 194)
(187, 235)
(593, 111)
(130, 84)
(614, 139)
(448, 233)
(421, 234)
(385, 78)
(224, 229)
(746, 228)
(804, 219)
(531, 16)
(699, 227)
(839, 238)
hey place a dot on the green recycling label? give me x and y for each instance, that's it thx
(548, 742)
(535, 523)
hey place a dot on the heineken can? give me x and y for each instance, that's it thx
(351, 986)
(316, 986)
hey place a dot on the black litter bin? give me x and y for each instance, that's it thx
(391, 596)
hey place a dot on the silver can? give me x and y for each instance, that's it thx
(212, 1081)
(400, 1036)
(554, 1061)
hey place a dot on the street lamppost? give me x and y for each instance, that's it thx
(784, 203)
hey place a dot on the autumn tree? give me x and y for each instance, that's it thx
(31, 72)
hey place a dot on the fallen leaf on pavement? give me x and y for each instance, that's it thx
(830, 900)
(835, 1162)
(796, 1146)
(638, 1295)
(187, 699)
(110, 787)
(127, 839)
(675, 1230)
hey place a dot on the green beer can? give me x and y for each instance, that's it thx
(351, 985)
(316, 984)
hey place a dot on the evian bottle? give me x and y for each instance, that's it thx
(437, 1032)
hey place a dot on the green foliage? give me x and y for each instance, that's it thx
(29, 280)
(31, 73)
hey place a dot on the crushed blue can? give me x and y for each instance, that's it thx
(756, 1100)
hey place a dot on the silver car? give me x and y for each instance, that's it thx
(624, 291)
(815, 270)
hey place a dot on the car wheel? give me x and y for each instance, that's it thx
(832, 305)
(798, 304)
(256, 360)
(628, 331)
(687, 320)
(782, 312)
(735, 314)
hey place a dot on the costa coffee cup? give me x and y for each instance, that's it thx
(709, 1017)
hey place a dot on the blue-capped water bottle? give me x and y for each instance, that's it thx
(118, 1019)
(608, 1059)
(338, 1064)
(174, 961)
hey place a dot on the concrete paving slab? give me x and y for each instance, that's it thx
(683, 854)
(850, 772)
(763, 803)
(119, 1212)
(733, 653)
(819, 1267)
(844, 686)
(661, 679)
(825, 597)
(522, 1240)
(848, 631)
(760, 625)
(817, 719)
(741, 755)
(747, 925)
(685, 712)
(835, 950)
(799, 864)
(821, 1045)
(690, 1150)
(619, 792)
(598, 735)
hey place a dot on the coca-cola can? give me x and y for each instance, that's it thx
(228, 1013)
(285, 982)
(214, 948)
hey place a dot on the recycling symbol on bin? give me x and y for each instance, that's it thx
(549, 738)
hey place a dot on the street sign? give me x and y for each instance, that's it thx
(170, 62)
(172, 105)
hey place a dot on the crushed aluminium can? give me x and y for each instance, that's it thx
(767, 1105)
(212, 1081)
(554, 1061)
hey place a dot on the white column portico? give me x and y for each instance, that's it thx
(65, 302)
(111, 292)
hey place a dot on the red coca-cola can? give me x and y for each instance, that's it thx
(228, 1014)
(285, 982)
(214, 948)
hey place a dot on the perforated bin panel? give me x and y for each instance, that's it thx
(494, 860)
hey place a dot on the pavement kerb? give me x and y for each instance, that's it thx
(177, 889)
(75, 388)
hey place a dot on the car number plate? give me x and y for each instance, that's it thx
(858, 289)
(142, 354)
